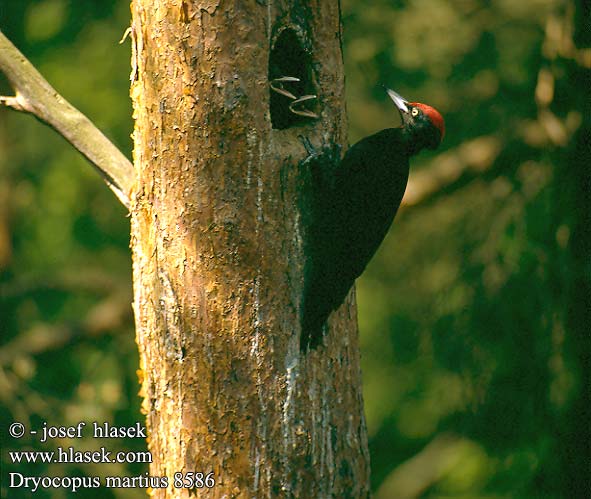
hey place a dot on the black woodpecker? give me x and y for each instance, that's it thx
(352, 206)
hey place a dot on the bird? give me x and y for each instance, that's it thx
(351, 205)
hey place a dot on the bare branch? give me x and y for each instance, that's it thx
(33, 94)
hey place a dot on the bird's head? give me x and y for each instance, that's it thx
(423, 125)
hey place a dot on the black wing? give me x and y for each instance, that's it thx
(351, 207)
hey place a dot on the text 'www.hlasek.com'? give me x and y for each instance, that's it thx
(73, 455)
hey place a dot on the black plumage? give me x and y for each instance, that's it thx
(352, 205)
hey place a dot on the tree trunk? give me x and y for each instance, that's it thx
(217, 251)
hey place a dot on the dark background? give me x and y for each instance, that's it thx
(474, 314)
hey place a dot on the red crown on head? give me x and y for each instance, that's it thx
(433, 115)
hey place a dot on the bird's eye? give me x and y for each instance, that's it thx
(414, 112)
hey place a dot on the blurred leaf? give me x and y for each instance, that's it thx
(45, 19)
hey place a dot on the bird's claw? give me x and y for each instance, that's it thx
(277, 86)
(308, 146)
(303, 112)
(295, 107)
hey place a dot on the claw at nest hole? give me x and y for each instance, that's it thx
(295, 107)
(302, 112)
(277, 85)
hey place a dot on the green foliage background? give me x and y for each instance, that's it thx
(473, 315)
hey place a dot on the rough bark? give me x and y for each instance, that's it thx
(217, 252)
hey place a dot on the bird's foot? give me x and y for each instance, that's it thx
(277, 86)
(303, 112)
(296, 106)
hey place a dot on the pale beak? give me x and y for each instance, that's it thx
(399, 101)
